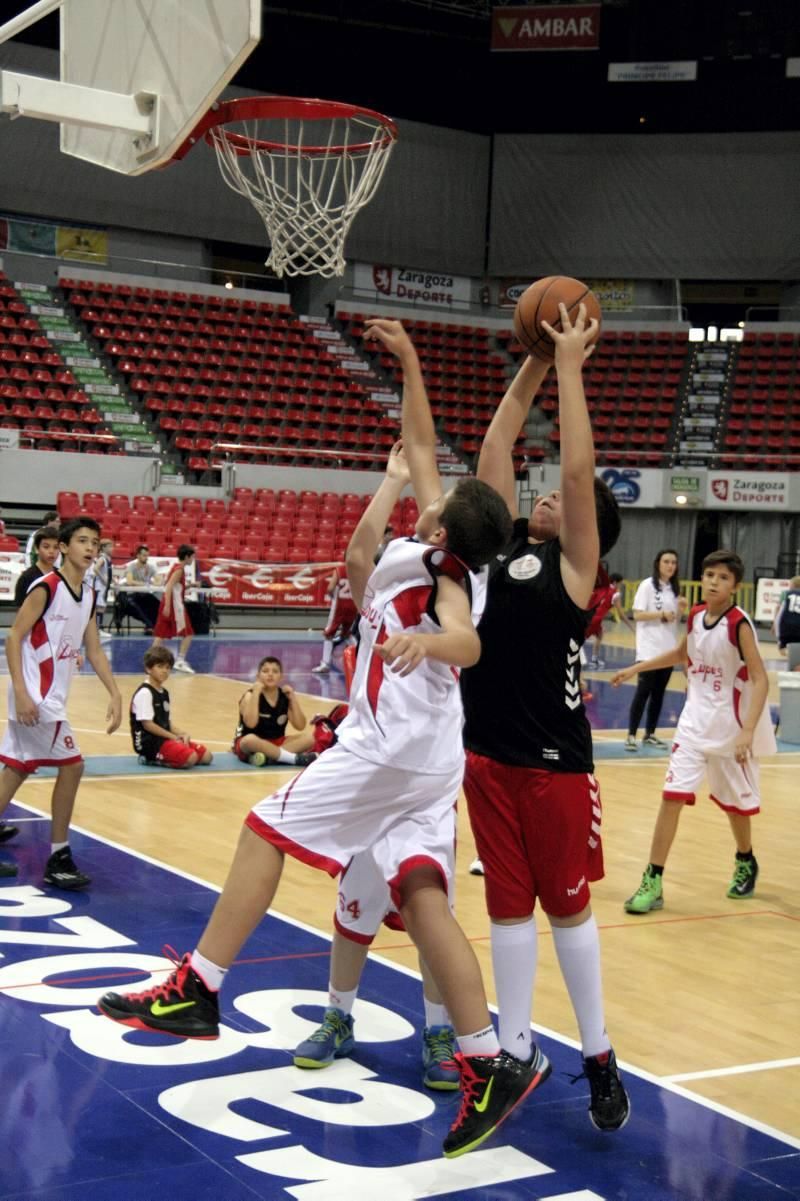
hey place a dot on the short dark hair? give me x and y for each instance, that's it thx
(50, 517)
(675, 583)
(725, 558)
(609, 523)
(185, 551)
(158, 655)
(68, 529)
(142, 547)
(269, 659)
(615, 578)
(477, 522)
(47, 531)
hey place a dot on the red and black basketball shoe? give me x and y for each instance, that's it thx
(182, 1006)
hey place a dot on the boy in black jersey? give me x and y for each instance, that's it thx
(155, 739)
(534, 804)
(265, 712)
(45, 545)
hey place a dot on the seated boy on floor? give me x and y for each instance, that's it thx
(155, 739)
(265, 712)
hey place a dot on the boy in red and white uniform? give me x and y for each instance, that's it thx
(390, 782)
(55, 619)
(341, 617)
(723, 729)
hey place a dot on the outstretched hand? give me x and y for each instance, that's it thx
(622, 677)
(573, 339)
(391, 334)
(397, 465)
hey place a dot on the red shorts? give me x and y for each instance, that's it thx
(537, 834)
(174, 753)
(342, 618)
(245, 755)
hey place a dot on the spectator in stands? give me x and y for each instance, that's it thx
(140, 573)
(787, 623)
(99, 577)
(265, 712)
(45, 545)
(155, 740)
(657, 609)
(50, 518)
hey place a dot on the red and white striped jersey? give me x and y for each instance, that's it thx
(50, 649)
(718, 689)
(412, 722)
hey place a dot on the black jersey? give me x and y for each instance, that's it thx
(24, 582)
(531, 634)
(145, 743)
(789, 618)
(272, 719)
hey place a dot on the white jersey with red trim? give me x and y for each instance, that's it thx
(412, 722)
(718, 689)
(50, 649)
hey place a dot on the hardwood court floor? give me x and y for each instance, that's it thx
(704, 992)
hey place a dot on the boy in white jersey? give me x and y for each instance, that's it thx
(724, 727)
(390, 782)
(55, 619)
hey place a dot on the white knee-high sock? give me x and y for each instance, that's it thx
(514, 952)
(578, 951)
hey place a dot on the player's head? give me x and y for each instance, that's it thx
(141, 553)
(50, 518)
(665, 570)
(270, 671)
(159, 662)
(615, 578)
(471, 520)
(544, 522)
(106, 546)
(794, 583)
(45, 543)
(185, 553)
(78, 541)
(721, 572)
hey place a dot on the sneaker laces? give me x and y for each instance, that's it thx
(173, 985)
(742, 872)
(332, 1024)
(470, 1085)
(440, 1046)
(603, 1079)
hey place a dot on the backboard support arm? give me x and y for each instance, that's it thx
(52, 100)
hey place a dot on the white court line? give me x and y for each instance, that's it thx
(665, 1082)
(738, 1070)
(168, 773)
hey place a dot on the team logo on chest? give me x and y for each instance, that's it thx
(526, 568)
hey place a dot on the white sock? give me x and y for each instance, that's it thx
(514, 955)
(342, 998)
(482, 1042)
(578, 951)
(285, 756)
(327, 651)
(57, 846)
(436, 1015)
(211, 975)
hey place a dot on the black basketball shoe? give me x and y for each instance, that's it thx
(609, 1108)
(492, 1087)
(60, 871)
(181, 1006)
(7, 831)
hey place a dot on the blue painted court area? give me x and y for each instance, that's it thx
(92, 1111)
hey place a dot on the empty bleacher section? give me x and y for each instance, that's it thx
(763, 422)
(40, 390)
(258, 525)
(206, 369)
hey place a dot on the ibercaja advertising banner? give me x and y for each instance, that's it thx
(292, 585)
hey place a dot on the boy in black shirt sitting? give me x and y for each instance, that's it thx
(155, 740)
(265, 711)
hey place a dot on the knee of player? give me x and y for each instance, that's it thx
(207, 757)
(192, 760)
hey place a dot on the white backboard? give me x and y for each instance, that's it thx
(183, 51)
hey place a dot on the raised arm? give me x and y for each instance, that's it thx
(419, 434)
(496, 461)
(580, 542)
(367, 535)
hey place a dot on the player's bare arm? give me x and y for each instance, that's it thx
(758, 697)
(296, 715)
(366, 537)
(29, 613)
(580, 542)
(458, 644)
(496, 461)
(419, 434)
(102, 668)
(677, 657)
(248, 705)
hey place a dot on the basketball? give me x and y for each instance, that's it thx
(540, 302)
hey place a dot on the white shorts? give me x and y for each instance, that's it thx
(364, 900)
(48, 744)
(342, 804)
(733, 786)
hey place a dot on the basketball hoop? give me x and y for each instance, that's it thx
(306, 166)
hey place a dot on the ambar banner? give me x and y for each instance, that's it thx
(614, 295)
(546, 27)
(296, 586)
(82, 245)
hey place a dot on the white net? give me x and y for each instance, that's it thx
(307, 179)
